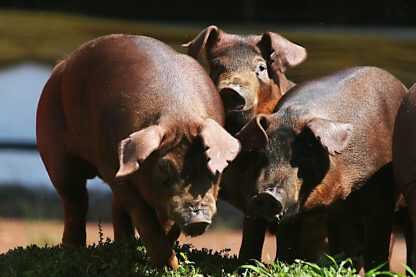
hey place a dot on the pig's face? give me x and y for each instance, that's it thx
(186, 169)
(241, 75)
(249, 71)
(295, 157)
(187, 188)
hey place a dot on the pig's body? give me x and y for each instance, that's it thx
(404, 165)
(367, 98)
(122, 86)
(249, 71)
(330, 140)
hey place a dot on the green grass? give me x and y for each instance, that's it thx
(109, 258)
(47, 37)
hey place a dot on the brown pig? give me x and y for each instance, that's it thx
(249, 71)
(148, 121)
(328, 146)
(404, 166)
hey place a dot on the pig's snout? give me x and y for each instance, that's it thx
(233, 98)
(197, 222)
(269, 205)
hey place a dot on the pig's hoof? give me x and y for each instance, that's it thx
(173, 262)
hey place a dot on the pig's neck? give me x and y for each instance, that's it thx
(333, 187)
(283, 83)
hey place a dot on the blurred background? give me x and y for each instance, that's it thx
(35, 34)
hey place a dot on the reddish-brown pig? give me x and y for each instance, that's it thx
(328, 145)
(249, 71)
(404, 166)
(148, 121)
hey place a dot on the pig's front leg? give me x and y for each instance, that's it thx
(146, 221)
(171, 228)
(153, 235)
(122, 223)
(254, 231)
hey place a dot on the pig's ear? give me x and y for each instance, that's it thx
(221, 147)
(198, 44)
(334, 136)
(137, 147)
(280, 52)
(253, 135)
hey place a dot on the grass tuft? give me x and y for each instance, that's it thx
(108, 258)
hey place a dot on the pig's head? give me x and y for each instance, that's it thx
(249, 71)
(292, 157)
(185, 169)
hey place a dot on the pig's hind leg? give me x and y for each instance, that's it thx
(410, 230)
(377, 202)
(69, 175)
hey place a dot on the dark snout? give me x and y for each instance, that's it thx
(233, 99)
(269, 205)
(197, 223)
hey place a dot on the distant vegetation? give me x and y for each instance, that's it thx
(41, 203)
(48, 37)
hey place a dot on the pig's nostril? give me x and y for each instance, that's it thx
(195, 210)
(232, 99)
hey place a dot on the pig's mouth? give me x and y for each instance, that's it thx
(268, 205)
(196, 228)
(235, 120)
(194, 222)
(239, 109)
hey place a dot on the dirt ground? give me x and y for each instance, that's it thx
(16, 232)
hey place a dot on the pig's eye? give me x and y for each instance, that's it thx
(167, 171)
(261, 71)
(262, 67)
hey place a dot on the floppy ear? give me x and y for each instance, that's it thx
(198, 44)
(253, 135)
(137, 147)
(221, 147)
(280, 52)
(333, 135)
(412, 88)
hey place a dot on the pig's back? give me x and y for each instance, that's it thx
(145, 72)
(368, 98)
(349, 95)
(118, 84)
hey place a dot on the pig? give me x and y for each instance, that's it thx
(404, 167)
(328, 146)
(146, 120)
(249, 71)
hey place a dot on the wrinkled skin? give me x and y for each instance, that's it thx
(110, 110)
(320, 150)
(404, 154)
(249, 72)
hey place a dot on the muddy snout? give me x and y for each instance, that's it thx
(269, 204)
(197, 218)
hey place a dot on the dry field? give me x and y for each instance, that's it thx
(17, 232)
